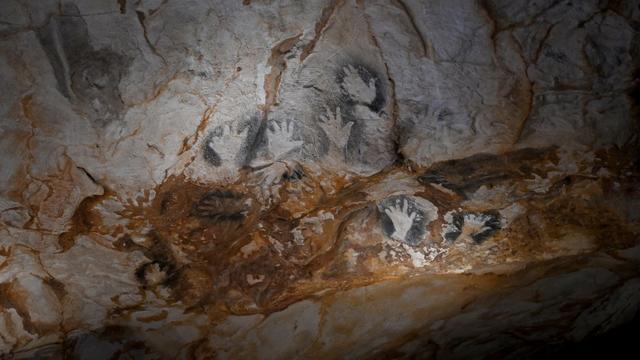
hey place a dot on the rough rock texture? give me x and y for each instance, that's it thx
(316, 179)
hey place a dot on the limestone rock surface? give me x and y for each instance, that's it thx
(316, 179)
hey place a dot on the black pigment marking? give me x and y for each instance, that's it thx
(208, 153)
(435, 178)
(417, 231)
(458, 223)
(295, 174)
(368, 144)
(365, 144)
(422, 115)
(94, 80)
(492, 225)
(125, 243)
(161, 255)
(221, 205)
(317, 143)
(67, 31)
(257, 139)
(248, 149)
(452, 236)
(167, 201)
(128, 341)
(47, 41)
(221, 194)
(88, 77)
(361, 148)
(366, 74)
(465, 176)
(258, 145)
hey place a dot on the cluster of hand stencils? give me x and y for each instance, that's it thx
(270, 150)
(281, 142)
(360, 101)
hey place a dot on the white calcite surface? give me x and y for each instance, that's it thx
(316, 179)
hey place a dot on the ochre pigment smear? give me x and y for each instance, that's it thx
(318, 179)
(221, 250)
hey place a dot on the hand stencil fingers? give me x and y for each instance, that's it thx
(350, 70)
(347, 127)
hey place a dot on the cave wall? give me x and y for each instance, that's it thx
(254, 178)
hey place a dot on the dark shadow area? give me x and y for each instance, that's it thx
(619, 343)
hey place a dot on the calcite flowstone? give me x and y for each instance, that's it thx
(316, 179)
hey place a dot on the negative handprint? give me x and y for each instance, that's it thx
(401, 218)
(354, 86)
(336, 132)
(281, 140)
(226, 143)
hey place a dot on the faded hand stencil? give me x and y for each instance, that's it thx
(359, 88)
(222, 205)
(362, 101)
(89, 77)
(280, 139)
(335, 129)
(223, 145)
(274, 158)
